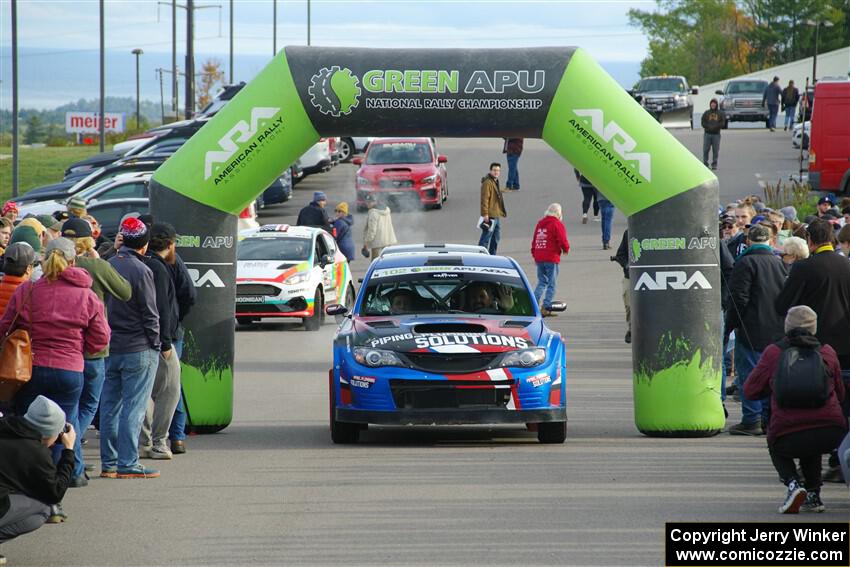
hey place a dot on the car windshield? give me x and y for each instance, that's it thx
(446, 289)
(750, 87)
(398, 152)
(274, 249)
(663, 84)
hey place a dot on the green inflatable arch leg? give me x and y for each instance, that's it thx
(558, 94)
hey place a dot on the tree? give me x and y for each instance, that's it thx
(34, 132)
(212, 74)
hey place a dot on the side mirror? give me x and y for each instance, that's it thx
(357, 161)
(558, 306)
(326, 259)
(442, 159)
(334, 309)
(695, 90)
(718, 92)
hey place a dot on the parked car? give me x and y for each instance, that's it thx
(109, 213)
(280, 191)
(804, 107)
(829, 146)
(800, 135)
(742, 101)
(348, 147)
(667, 99)
(402, 168)
(317, 159)
(124, 186)
(221, 98)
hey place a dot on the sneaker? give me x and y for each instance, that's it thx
(160, 454)
(628, 337)
(597, 218)
(833, 474)
(813, 503)
(794, 498)
(751, 429)
(145, 452)
(138, 471)
(178, 447)
(57, 515)
(606, 246)
(2, 559)
(79, 481)
(108, 473)
(584, 218)
(714, 166)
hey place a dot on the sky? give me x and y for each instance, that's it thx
(58, 40)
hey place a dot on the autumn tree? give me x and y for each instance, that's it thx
(212, 74)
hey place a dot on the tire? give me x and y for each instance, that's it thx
(314, 323)
(349, 302)
(342, 433)
(245, 321)
(552, 432)
(346, 149)
(446, 190)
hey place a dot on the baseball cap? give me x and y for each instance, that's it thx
(759, 234)
(63, 246)
(49, 221)
(824, 199)
(755, 220)
(76, 228)
(18, 256)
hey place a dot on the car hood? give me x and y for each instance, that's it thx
(452, 335)
(268, 270)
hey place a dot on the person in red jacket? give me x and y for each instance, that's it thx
(800, 433)
(547, 245)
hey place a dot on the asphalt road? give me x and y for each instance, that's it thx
(271, 489)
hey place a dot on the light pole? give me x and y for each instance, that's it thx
(14, 98)
(274, 28)
(231, 42)
(101, 128)
(817, 24)
(308, 22)
(137, 52)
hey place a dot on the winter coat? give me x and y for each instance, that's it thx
(737, 244)
(492, 204)
(513, 146)
(757, 279)
(8, 285)
(65, 319)
(166, 302)
(549, 240)
(759, 384)
(822, 281)
(27, 466)
(344, 236)
(772, 94)
(314, 215)
(135, 323)
(713, 121)
(184, 287)
(727, 264)
(379, 228)
(104, 280)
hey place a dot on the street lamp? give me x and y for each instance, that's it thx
(817, 24)
(137, 52)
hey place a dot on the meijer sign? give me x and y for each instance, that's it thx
(89, 122)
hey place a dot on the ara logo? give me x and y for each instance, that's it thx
(209, 279)
(622, 143)
(335, 91)
(240, 133)
(676, 280)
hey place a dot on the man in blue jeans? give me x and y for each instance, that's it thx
(512, 151)
(133, 359)
(606, 207)
(772, 97)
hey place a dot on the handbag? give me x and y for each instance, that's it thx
(15, 358)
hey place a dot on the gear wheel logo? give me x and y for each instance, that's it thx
(334, 91)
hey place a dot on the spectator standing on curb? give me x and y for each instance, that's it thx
(790, 98)
(30, 482)
(772, 96)
(806, 420)
(342, 231)
(622, 258)
(492, 209)
(314, 214)
(547, 245)
(184, 290)
(6, 229)
(713, 121)
(744, 215)
(134, 352)
(757, 280)
(588, 192)
(379, 232)
(512, 151)
(607, 209)
(104, 280)
(17, 269)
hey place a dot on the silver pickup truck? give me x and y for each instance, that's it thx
(667, 99)
(742, 101)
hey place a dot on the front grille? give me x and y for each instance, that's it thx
(747, 104)
(455, 363)
(296, 304)
(392, 183)
(256, 289)
(428, 394)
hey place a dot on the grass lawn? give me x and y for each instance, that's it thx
(38, 166)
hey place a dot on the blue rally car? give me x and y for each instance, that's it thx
(446, 338)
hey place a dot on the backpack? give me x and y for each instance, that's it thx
(801, 380)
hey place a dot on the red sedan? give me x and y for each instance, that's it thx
(402, 168)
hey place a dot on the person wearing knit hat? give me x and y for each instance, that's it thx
(789, 212)
(134, 233)
(315, 214)
(31, 485)
(10, 211)
(76, 207)
(342, 225)
(811, 427)
(28, 234)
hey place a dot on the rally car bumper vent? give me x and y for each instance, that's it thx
(428, 394)
(459, 363)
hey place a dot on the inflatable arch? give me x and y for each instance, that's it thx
(558, 94)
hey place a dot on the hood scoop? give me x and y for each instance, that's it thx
(515, 324)
(432, 328)
(385, 324)
(397, 170)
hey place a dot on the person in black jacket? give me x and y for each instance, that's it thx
(314, 214)
(713, 121)
(184, 290)
(622, 258)
(757, 280)
(153, 441)
(790, 98)
(29, 481)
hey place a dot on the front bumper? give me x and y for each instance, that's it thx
(427, 194)
(450, 416)
(292, 307)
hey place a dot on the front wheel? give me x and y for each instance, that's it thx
(346, 149)
(552, 432)
(315, 322)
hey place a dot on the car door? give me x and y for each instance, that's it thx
(327, 271)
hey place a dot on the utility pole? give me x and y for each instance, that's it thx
(308, 22)
(174, 105)
(161, 97)
(274, 28)
(190, 58)
(231, 42)
(137, 52)
(101, 128)
(14, 98)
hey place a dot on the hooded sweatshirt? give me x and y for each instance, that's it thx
(713, 119)
(549, 240)
(27, 466)
(344, 237)
(65, 319)
(379, 228)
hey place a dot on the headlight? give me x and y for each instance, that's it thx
(376, 357)
(362, 181)
(681, 101)
(724, 104)
(525, 358)
(296, 279)
(80, 168)
(429, 179)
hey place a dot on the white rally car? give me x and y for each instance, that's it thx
(290, 271)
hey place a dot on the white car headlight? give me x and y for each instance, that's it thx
(296, 279)
(375, 357)
(362, 181)
(525, 358)
(429, 179)
(681, 100)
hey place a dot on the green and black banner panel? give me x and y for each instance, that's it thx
(559, 94)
